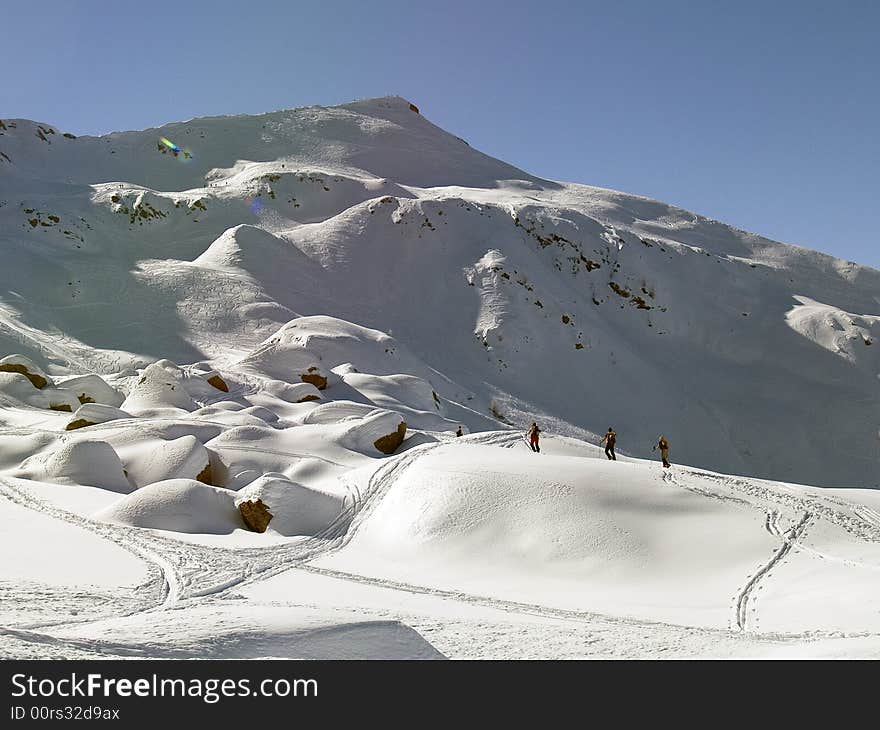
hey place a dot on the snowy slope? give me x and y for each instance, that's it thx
(473, 548)
(581, 305)
(232, 369)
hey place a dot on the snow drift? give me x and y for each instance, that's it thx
(177, 505)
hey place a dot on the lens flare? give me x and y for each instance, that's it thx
(182, 155)
(169, 144)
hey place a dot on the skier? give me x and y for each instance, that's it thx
(608, 439)
(663, 445)
(533, 437)
(458, 433)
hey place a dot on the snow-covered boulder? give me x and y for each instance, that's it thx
(92, 463)
(92, 389)
(27, 367)
(226, 416)
(308, 454)
(203, 386)
(181, 458)
(160, 386)
(15, 446)
(19, 388)
(60, 399)
(338, 342)
(292, 392)
(381, 431)
(282, 357)
(94, 413)
(294, 509)
(177, 505)
(336, 412)
(392, 391)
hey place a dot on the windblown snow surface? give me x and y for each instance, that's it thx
(287, 317)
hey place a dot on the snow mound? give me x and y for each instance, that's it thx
(159, 387)
(364, 429)
(15, 447)
(847, 335)
(337, 412)
(204, 386)
(246, 452)
(292, 392)
(263, 414)
(282, 357)
(181, 458)
(311, 453)
(227, 417)
(394, 391)
(271, 261)
(338, 342)
(60, 399)
(25, 366)
(379, 431)
(580, 533)
(177, 505)
(295, 509)
(411, 396)
(91, 414)
(92, 463)
(92, 389)
(19, 388)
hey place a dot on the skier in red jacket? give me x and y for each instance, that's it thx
(533, 437)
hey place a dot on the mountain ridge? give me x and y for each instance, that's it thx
(570, 303)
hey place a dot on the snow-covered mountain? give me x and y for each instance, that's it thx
(576, 306)
(235, 353)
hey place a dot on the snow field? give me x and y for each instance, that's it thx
(305, 309)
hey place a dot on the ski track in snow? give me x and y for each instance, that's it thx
(854, 519)
(184, 573)
(865, 526)
(160, 591)
(788, 537)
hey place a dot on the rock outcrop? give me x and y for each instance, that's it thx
(218, 382)
(256, 515)
(388, 444)
(313, 377)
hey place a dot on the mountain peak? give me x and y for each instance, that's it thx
(197, 240)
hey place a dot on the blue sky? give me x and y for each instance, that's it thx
(762, 114)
